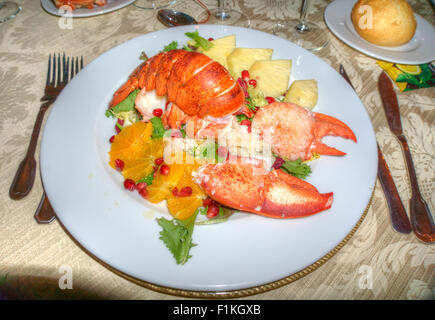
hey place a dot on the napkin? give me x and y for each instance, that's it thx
(410, 77)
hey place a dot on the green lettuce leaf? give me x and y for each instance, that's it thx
(158, 128)
(296, 168)
(199, 41)
(127, 104)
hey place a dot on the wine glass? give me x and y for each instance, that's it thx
(153, 4)
(305, 34)
(225, 16)
(8, 10)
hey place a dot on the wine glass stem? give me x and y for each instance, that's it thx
(221, 5)
(302, 25)
(222, 13)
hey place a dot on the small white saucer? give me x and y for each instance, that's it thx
(420, 49)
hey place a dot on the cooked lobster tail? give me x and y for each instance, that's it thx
(192, 81)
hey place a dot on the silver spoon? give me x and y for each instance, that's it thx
(173, 18)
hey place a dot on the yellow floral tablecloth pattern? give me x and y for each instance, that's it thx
(33, 257)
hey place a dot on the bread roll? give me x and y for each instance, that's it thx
(392, 21)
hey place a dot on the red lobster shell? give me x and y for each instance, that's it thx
(192, 81)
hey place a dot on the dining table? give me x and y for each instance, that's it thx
(373, 262)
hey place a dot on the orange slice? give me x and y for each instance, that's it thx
(184, 207)
(162, 185)
(134, 146)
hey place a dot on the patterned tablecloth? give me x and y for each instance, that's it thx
(34, 257)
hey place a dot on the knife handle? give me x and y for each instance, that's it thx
(44, 213)
(399, 219)
(421, 218)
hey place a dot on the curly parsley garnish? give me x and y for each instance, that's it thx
(172, 46)
(177, 236)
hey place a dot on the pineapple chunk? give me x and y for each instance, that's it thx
(272, 76)
(303, 93)
(221, 49)
(243, 58)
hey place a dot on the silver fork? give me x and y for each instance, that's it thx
(56, 80)
(45, 213)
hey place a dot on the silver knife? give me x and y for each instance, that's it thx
(421, 218)
(398, 217)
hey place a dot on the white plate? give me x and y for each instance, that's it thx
(420, 49)
(111, 5)
(119, 227)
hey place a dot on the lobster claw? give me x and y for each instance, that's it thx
(325, 125)
(296, 132)
(248, 187)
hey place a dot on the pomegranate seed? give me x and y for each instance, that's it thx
(117, 129)
(175, 192)
(164, 170)
(245, 74)
(185, 192)
(252, 82)
(213, 210)
(245, 122)
(270, 99)
(129, 184)
(119, 164)
(121, 121)
(208, 201)
(158, 161)
(144, 193)
(210, 39)
(112, 138)
(140, 186)
(278, 163)
(157, 112)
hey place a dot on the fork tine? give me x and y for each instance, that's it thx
(63, 68)
(49, 70)
(81, 63)
(53, 77)
(67, 72)
(77, 65)
(59, 67)
(72, 68)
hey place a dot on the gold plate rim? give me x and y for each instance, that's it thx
(231, 294)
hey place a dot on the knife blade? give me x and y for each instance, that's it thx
(398, 216)
(421, 218)
(391, 106)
